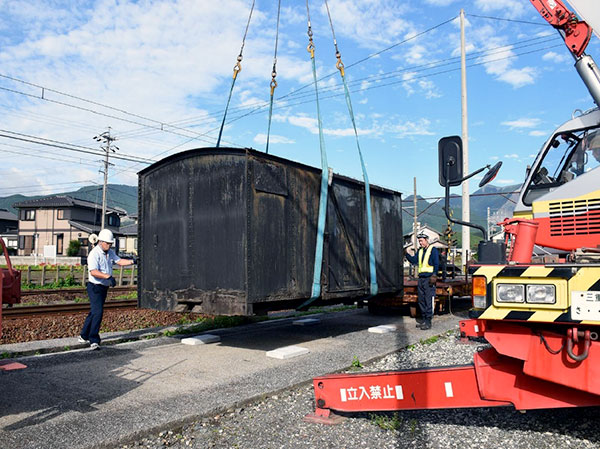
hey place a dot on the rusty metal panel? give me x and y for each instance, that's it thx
(234, 231)
(346, 258)
(387, 235)
(282, 217)
(193, 232)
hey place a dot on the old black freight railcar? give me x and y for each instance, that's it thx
(233, 231)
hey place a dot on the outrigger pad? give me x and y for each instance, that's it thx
(324, 416)
(10, 366)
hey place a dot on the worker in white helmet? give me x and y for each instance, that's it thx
(100, 264)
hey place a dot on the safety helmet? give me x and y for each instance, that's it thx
(420, 235)
(106, 236)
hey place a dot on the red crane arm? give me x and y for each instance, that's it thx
(575, 32)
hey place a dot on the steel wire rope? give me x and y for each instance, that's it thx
(370, 243)
(236, 70)
(273, 84)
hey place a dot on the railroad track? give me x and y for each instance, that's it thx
(64, 308)
(58, 291)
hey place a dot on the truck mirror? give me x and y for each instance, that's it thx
(491, 174)
(450, 155)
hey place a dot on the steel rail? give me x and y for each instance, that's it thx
(56, 291)
(63, 308)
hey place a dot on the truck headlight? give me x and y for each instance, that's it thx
(510, 293)
(541, 294)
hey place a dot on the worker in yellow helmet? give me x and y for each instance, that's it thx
(427, 261)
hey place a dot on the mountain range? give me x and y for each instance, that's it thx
(118, 195)
(430, 212)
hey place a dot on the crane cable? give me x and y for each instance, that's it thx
(316, 287)
(340, 66)
(273, 76)
(237, 68)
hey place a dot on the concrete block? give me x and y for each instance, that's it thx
(287, 352)
(306, 322)
(383, 329)
(201, 339)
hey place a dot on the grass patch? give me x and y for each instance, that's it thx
(387, 422)
(218, 322)
(430, 340)
(356, 363)
(130, 295)
(315, 310)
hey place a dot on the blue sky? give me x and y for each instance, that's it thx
(142, 66)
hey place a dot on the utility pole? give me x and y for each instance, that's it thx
(107, 140)
(415, 225)
(466, 212)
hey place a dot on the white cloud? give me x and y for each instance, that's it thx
(261, 139)
(518, 77)
(537, 133)
(505, 181)
(555, 57)
(508, 8)
(440, 2)
(370, 23)
(412, 128)
(511, 156)
(522, 123)
(312, 126)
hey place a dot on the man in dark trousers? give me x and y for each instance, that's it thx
(427, 262)
(100, 265)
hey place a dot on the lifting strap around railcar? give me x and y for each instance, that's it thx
(273, 76)
(236, 69)
(340, 66)
(316, 287)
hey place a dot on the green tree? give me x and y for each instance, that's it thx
(74, 247)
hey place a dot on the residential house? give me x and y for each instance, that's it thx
(9, 225)
(56, 220)
(128, 240)
(435, 238)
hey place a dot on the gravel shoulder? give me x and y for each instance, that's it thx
(276, 421)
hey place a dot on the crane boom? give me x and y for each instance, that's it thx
(575, 32)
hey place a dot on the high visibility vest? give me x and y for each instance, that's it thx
(424, 266)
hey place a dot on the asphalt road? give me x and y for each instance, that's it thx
(83, 398)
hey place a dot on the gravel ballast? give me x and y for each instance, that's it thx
(276, 421)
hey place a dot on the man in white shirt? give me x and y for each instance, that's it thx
(100, 262)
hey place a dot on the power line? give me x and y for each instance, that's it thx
(68, 146)
(508, 20)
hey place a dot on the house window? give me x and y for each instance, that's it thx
(135, 243)
(59, 243)
(27, 214)
(122, 245)
(60, 214)
(113, 220)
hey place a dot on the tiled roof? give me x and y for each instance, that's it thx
(131, 229)
(6, 215)
(63, 201)
(89, 228)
